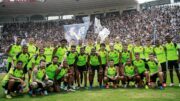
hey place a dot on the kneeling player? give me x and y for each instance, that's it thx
(62, 75)
(14, 80)
(39, 81)
(130, 73)
(155, 71)
(111, 75)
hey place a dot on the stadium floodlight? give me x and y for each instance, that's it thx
(143, 1)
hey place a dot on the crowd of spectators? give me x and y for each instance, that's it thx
(147, 23)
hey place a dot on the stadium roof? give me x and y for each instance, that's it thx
(62, 6)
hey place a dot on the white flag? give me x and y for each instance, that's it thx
(104, 34)
(97, 25)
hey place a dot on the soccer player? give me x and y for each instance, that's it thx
(71, 58)
(138, 49)
(173, 57)
(155, 70)
(48, 52)
(140, 65)
(117, 45)
(94, 63)
(148, 49)
(61, 50)
(14, 80)
(32, 49)
(12, 51)
(111, 75)
(89, 46)
(63, 74)
(23, 56)
(80, 44)
(130, 73)
(51, 71)
(114, 55)
(39, 81)
(104, 55)
(81, 67)
(125, 54)
(160, 54)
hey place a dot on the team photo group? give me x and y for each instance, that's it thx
(45, 67)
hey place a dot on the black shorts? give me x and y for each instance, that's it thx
(82, 68)
(173, 63)
(130, 79)
(142, 75)
(104, 67)
(110, 80)
(95, 68)
(154, 77)
(163, 66)
(15, 86)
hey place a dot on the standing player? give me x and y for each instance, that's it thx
(61, 50)
(173, 57)
(160, 54)
(125, 55)
(80, 44)
(111, 75)
(138, 49)
(32, 49)
(89, 46)
(140, 65)
(12, 51)
(71, 58)
(48, 52)
(81, 67)
(94, 62)
(23, 56)
(155, 70)
(148, 49)
(117, 45)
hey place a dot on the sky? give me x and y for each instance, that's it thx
(143, 1)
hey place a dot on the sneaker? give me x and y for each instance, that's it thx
(45, 92)
(73, 87)
(164, 85)
(146, 87)
(5, 91)
(90, 87)
(78, 87)
(71, 90)
(8, 96)
(171, 84)
(125, 85)
(136, 86)
(179, 85)
(107, 86)
(65, 88)
(161, 87)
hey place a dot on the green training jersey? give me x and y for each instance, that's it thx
(48, 52)
(118, 46)
(82, 59)
(103, 55)
(61, 52)
(114, 55)
(71, 57)
(147, 51)
(111, 71)
(171, 51)
(140, 65)
(153, 66)
(160, 54)
(32, 49)
(15, 49)
(62, 73)
(94, 60)
(51, 70)
(129, 70)
(125, 56)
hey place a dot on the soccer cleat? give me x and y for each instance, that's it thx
(179, 85)
(171, 84)
(164, 85)
(8, 96)
(125, 85)
(146, 87)
(65, 88)
(136, 86)
(71, 90)
(45, 92)
(90, 87)
(107, 86)
(161, 88)
(5, 91)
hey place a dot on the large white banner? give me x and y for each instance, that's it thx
(76, 32)
(97, 26)
(103, 34)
